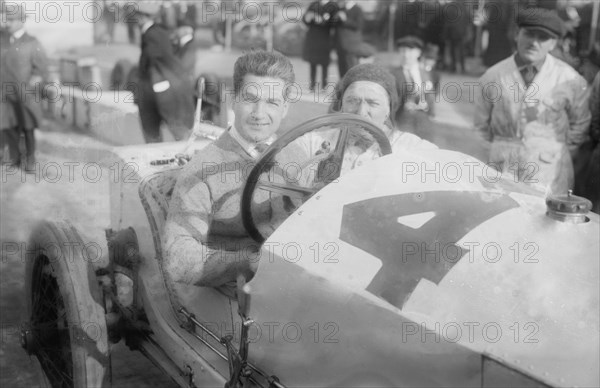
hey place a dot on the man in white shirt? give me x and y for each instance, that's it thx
(534, 107)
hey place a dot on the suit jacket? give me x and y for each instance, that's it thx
(157, 64)
(430, 84)
(317, 43)
(21, 61)
(349, 32)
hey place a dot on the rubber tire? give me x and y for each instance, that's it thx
(58, 249)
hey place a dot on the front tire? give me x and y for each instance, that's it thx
(67, 328)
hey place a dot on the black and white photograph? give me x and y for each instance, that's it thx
(309, 193)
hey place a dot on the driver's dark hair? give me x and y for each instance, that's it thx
(263, 64)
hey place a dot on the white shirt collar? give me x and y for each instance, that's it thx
(147, 25)
(247, 146)
(19, 33)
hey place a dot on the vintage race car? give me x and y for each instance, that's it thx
(416, 269)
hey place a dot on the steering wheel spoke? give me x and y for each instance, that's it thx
(291, 190)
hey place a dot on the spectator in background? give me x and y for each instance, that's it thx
(110, 14)
(317, 44)
(168, 14)
(165, 92)
(498, 21)
(8, 119)
(24, 68)
(349, 21)
(409, 19)
(534, 138)
(186, 14)
(130, 21)
(592, 180)
(186, 48)
(456, 32)
(416, 85)
(433, 34)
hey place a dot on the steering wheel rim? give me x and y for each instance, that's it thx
(340, 120)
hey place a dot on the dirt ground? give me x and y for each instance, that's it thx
(24, 201)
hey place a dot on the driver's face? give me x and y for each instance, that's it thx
(259, 107)
(534, 45)
(368, 99)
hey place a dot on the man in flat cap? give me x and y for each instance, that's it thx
(165, 92)
(416, 85)
(24, 66)
(534, 107)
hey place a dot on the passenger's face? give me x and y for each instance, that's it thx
(409, 55)
(367, 99)
(534, 45)
(259, 107)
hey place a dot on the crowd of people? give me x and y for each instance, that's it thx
(539, 134)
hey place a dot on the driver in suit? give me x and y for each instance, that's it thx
(205, 241)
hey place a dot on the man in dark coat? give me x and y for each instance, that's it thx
(456, 31)
(317, 44)
(349, 22)
(186, 49)
(24, 65)
(165, 91)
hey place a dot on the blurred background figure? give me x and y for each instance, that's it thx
(498, 21)
(130, 22)
(317, 44)
(457, 33)
(168, 14)
(349, 21)
(165, 90)
(110, 15)
(593, 176)
(24, 67)
(8, 119)
(587, 179)
(416, 85)
(186, 48)
(409, 19)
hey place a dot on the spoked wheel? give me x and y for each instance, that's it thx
(67, 328)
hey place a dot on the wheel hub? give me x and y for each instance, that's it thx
(29, 341)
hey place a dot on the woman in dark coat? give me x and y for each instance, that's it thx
(317, 44)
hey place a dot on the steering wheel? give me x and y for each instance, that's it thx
(345, 123)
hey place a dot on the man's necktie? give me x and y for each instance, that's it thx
(261, 147)
(528, 73)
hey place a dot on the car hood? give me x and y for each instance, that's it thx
(447, 276)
